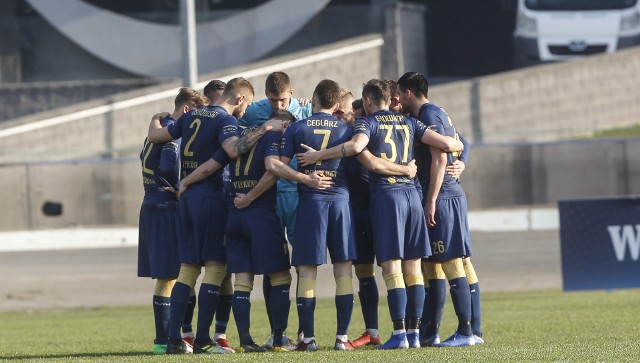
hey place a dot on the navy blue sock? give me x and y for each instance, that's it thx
(223, 311)
(242, 313)
(476, 316)
(437, 298)
(179, 300)
(397, 299)
(279, 305)
(266, 292)
(425, 314)
(344, 310)
(306, 311)
(461, 298)
(208, 297)
(415, 302)
(161, 310)
(188, 315)
(369, 301)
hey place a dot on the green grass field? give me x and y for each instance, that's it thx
(536, 326)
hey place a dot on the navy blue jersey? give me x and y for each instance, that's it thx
(358, 180)
(391, 137)
(436, 119)
(320, 131)
(203, 131)
(246, 170)
(159, 169)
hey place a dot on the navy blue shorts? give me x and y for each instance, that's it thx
(399, 228)
(450, 236)
(203, 221)
(323, 225)
(364, 235)
(255, 242)
(158, 241)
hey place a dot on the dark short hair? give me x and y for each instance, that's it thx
(238, 86)
(414, 82)
(214, 85)
(393, 87)
(377, 90)
(327, 93)
(282, 115)
(357, 104)
(189, 96)
(277, 83)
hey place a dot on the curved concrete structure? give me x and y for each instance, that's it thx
(152, 49)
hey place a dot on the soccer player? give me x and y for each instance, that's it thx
(328, 215)
(158, 235)
(399, 229)
(213, 90)
(279, 96)
(204, 131)
(446, 213)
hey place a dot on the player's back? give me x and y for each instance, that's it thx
(320, 131)
(246, 170)
(436, 119)
(159, 169)
(391, 137)
(203, 131)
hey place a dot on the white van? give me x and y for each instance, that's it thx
(557, 30)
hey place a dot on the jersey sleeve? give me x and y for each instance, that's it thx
(273, 144)
(168, 162)
(221, 157)
(362, 126)
(174, 127)
(464, 157)
(228, 128)
(419, 128)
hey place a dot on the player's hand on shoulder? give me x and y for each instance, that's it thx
(307, 158)
(304, 101)
(276, 125)
(455, 169)
(160, 115)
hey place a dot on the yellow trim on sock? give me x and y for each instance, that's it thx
(433, 271)
(188, 274)
(227, 287)
(344, 285)
(364, 271)
(280, 278)
(243, 286)
(412, 280)
(306, 288)
(472, 278)
(453, 269)
(214, 274)
(394, 281)
(163, 287)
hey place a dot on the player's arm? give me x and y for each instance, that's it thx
(280, 167)
(445, 143)
(157, 133)
(236, 146)
(386, 167)
(438, 165)
(352, 147)
(456, 168)
(217, 162)
(266, 181)
(167, 165)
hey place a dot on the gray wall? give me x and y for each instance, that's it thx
(110, 192)
(550, 102)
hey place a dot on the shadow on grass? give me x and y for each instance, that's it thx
(77, 355)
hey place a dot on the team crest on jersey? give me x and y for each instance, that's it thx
(392, 180)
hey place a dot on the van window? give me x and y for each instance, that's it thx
(579, 4)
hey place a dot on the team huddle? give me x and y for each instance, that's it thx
(372, 180)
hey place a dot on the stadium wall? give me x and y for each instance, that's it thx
(109, 192)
